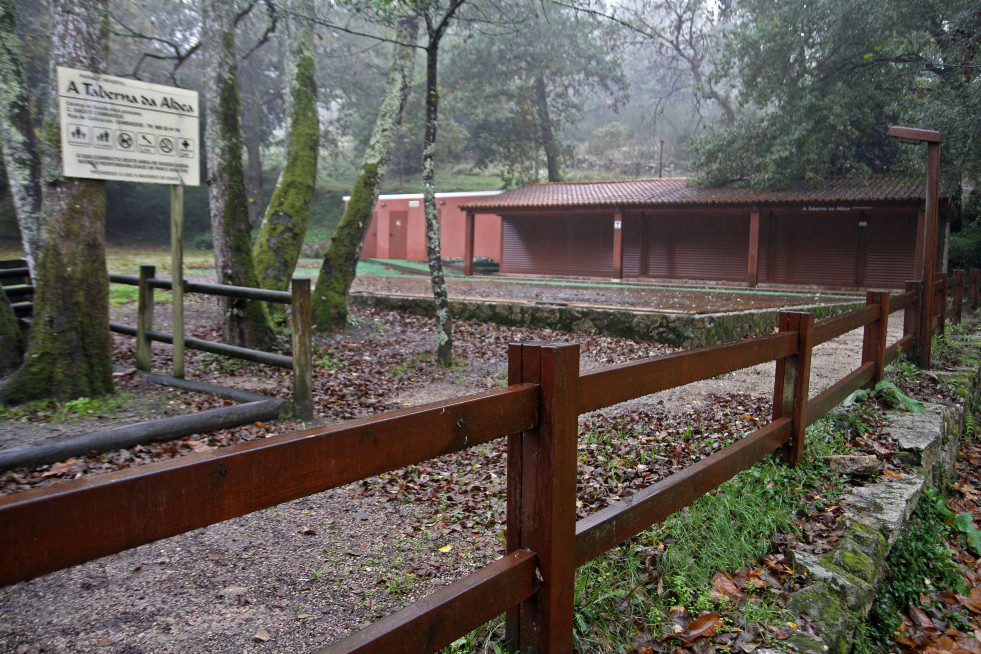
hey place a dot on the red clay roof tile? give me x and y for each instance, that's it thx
(675, 191)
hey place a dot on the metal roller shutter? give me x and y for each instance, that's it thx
(700, 247)
(574, 246)
(891, 255)
(814, 249)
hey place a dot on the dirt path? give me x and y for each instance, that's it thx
(301, 574)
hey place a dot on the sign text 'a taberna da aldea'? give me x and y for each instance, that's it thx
(122, 129)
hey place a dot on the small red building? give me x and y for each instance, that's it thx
(846, 232)
(398, 228)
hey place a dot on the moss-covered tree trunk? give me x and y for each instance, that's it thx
(68, 353)
(11, 341)
(20, 153)
(341, 261)
(244, 323)
(284, 224)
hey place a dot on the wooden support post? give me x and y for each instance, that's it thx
(646, 235)
(960, 278)
(618, 244)
(911, 317)
(925, 337)
(542, 496)
(918, 252)
(876, 336)
(468, 243)
(792, 381)
(753, 274)
(177, 275)
(941, 302)
(302, 351)
(144, 318)
(862, 249)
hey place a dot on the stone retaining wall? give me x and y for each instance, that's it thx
(677, 329)
(846, 579)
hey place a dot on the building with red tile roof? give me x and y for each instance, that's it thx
(845, 232)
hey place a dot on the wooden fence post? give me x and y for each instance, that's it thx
(960, 278)
(876, 335)
(302, 355)
(792, 382)
(942, 302)
(542, 496)
(144, 318)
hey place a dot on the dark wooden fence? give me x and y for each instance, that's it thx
(16, 282)
(533, 583)
(298, 297)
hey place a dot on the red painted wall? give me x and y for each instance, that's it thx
(385, 227)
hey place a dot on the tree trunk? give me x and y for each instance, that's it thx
(68, 352)
(245, 323)
(341, 261)
(545, 129)
(285, 223)
(20, 153)
(444, 321)
(252, 140)
(11, 341)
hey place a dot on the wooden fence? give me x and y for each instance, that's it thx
(298, 297)
(16, 282)
(537, 412)
(15, 278)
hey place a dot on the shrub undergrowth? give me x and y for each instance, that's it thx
(918, 564)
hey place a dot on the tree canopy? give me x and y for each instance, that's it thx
(820, 82)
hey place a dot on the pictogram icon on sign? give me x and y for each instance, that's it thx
(145, 143)
(185, 147)
(78, 135)
(166, 145)
(102, 138)
(124, 140)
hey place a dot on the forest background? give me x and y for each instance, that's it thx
(534, 91)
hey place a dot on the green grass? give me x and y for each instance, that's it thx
(123, 294)
(632, 588)
(54, 411)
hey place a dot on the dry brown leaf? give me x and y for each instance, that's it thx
(922, 621)
(971, 603)
(968, 645)
(724, 588)
(702, 626)
(61, 468)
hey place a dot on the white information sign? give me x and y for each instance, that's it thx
(126, 130)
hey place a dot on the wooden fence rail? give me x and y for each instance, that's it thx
(299, 297)
(533, 584)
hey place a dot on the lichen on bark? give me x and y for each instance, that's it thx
(244, 322)
(68, 352)
(444, 321)
(330, 305)
(20, 154)
(284, 225)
